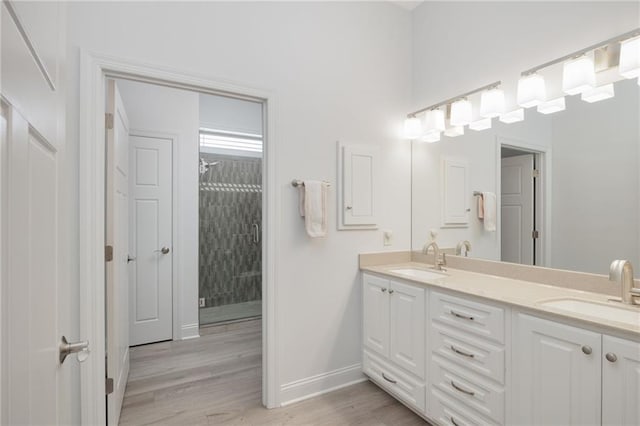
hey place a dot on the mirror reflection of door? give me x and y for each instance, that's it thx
(518, 230)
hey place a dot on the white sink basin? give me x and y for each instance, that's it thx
(418, 273)
(609, 312)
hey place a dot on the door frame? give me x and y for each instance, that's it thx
(176, 312)
(542, 156)
(95, 68)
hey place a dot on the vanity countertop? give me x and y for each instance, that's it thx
(524, 294)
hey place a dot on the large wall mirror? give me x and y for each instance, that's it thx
(583, 201)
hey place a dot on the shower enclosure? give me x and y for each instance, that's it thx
(230, 238)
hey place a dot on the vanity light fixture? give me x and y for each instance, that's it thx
(412, 127)
(512, 116)
(629, 66)
(460, 113)
(431, 137)
(531, 90)
(492, 103)
(434, 120)
(578, 75)
(454, 131)
(598, 93)
(482, 124)
(554, 105)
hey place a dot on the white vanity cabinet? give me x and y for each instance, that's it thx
(394, 337)
(467, 361)
(572, 376)
(620, 381)
(556, 373)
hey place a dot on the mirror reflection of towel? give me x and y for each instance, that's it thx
(489, 202)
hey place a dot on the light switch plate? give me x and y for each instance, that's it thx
(387, 238)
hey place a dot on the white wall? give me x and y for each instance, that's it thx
(596, 192)
(338, 71)
(175, 112)
(459, 46)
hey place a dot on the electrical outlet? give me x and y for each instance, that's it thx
(202, 303)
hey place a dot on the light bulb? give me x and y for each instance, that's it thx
(431, 136)
(434, 120)
(492, 103)
(454, 131)
(598, 93)
(629, 66)
(554, 105)
(460, 113)
(512, 116)
(578, 75)
(531, 90)
(482, 124)
(412, 128)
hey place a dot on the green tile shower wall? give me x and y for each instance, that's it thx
(230, 203)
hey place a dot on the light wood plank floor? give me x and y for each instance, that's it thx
(216, 380)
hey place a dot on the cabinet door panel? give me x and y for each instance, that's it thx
(555, 381)
(407, 327)
(376, 314)
(620, 382)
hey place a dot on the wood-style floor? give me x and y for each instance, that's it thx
(216, 380)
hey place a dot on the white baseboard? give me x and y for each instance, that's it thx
(190, 331)
(321, 383)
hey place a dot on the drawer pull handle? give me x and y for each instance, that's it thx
(388, 379)
(455, 314)
(383, 289)
(459, 389)
(459, 352)
(611, 357)
(453, 422)
(391, 291)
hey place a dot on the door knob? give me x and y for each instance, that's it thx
(611, 357)
(587, 350)
(163, 250)
(67, 349)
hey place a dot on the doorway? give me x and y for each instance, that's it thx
(521, 205)
(155, 170)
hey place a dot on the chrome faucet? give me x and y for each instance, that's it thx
(467, 248)
(438, 263)
(621, 272)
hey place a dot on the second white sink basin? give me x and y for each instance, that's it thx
(418, 273)
(600, 310)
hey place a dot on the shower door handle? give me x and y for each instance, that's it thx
(256, 233)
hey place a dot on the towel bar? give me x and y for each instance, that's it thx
(297, 182)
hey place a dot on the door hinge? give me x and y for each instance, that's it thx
(536, 173)
(108, 121)
(108, 253)
(535, 234)
(108, 386)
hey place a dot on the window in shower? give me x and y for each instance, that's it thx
(230, 226)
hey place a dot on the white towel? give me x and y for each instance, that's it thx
(313, 207)
(489, 202)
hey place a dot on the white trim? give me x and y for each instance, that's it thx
(543, 189)
(176, 308)
(319, 384)
(189, 331)
(94, 69)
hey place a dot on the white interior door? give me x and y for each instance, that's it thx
(151, 230)
(517, 209)
(36, 388)
(117, 237)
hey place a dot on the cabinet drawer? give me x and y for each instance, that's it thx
(469, 351)
(403, 386)
(477, 318)
(449, 411)
(474, 392)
